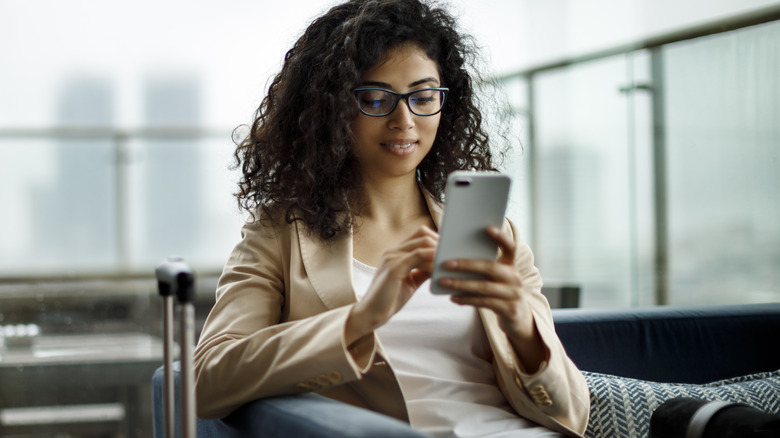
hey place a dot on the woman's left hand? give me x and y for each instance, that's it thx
(500, 291)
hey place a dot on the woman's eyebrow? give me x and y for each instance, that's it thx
(422, 81)
(375, 84)
(413, 84)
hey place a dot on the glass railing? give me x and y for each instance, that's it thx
(653, 166)
(82, 202)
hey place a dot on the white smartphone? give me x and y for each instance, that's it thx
(473, 201)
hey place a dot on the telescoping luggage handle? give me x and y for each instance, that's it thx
(175, 278)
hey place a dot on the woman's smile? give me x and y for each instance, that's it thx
(401, 147)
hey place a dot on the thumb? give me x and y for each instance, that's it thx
(417, 277)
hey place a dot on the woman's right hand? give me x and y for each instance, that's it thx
(400, 273)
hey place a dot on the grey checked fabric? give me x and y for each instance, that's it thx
(621, 407)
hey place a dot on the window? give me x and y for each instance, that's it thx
(723, 167)
(656, 172)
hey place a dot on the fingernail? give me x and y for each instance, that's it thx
(451, 264)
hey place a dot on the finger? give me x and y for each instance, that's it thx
(413, 254)
(424, 231)
(419, 239)
(417, 277)
(479, 288)
(501, 307)
(402, 262)
(505, 243)
(487, 268)
(422, 259)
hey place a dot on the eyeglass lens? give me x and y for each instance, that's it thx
(381, 102)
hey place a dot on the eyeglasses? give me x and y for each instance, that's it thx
(378, 102)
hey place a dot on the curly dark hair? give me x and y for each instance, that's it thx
(297, 160)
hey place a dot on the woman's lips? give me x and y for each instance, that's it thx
(401, 148)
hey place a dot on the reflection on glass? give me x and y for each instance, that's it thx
(180, 202)
(59, 206)
(723, 160)
(585, 158)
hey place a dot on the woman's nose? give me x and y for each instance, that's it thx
(401, 117)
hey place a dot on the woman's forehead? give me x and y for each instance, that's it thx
(403, 66)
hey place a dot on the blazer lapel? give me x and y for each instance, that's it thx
(328, 266)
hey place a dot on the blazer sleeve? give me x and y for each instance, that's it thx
(248, 348)
(557, 395)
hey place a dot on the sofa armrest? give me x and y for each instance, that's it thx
(305, 415)
(681, 344)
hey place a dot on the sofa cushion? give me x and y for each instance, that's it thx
(675, 344)
(621, 407)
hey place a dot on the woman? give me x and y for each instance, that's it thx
(343, 170)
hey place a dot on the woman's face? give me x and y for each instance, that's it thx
(394, 145)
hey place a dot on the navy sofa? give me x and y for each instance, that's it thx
(673, 344)
(634, 360)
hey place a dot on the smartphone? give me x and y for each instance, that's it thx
(473, 201)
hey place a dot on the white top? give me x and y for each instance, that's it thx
(441, 357)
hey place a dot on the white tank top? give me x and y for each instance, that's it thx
(441, 357)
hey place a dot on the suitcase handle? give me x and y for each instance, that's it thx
(175, 278)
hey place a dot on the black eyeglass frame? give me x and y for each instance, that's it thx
(401, 96)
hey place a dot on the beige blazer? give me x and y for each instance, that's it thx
(278, 328)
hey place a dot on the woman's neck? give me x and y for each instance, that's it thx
(392, 202)
(389, 214)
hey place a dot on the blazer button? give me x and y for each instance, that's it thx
(545, 402)
(335, 376)
(540, 396)
(303, 387)
(313, 384)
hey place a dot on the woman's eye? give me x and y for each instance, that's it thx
(374, 102)
(422, 101)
